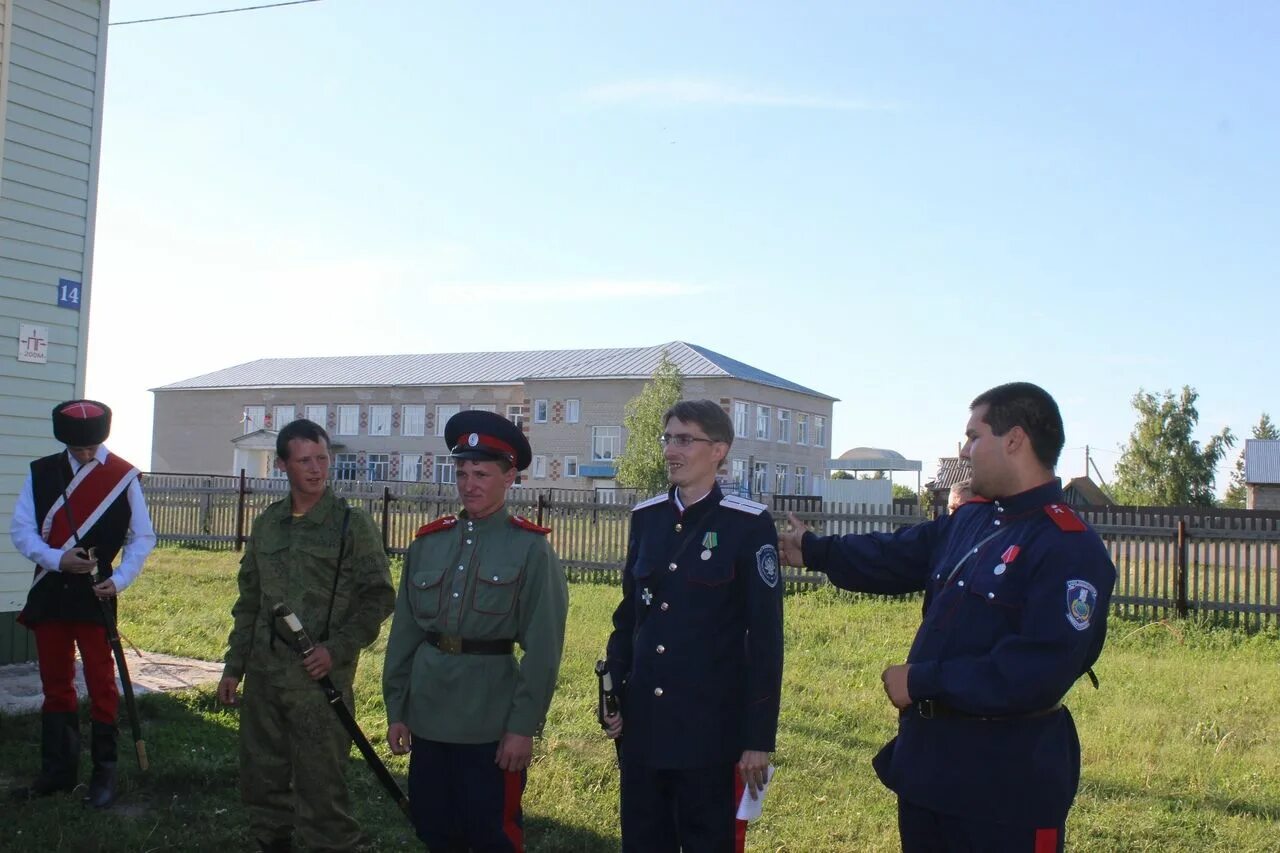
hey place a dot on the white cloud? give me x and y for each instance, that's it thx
(688, 91)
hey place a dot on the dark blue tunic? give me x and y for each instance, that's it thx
(1016, 594)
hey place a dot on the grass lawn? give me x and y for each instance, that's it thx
(1180, 744)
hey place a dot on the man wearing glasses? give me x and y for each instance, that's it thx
(696, 648)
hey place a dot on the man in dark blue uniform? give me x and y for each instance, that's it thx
(697, 648)
(1016, 589)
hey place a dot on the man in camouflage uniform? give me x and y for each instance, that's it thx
(325, 561)
(474, 585)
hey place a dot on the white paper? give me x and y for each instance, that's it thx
(750, 809)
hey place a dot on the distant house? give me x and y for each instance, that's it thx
(1262, 473)
(1082, 491)
(951, 470)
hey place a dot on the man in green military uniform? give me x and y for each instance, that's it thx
(324, 560)
(474, 585)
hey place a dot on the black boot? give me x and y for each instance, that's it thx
(59, 753)
(102, 784)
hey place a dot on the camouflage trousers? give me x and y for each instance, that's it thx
(293, 751)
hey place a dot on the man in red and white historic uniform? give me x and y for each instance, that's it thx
(77, 510)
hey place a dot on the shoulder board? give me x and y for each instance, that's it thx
(1065, 517)
(977, 500)
(525, 524)
(444, 522)
(743, 505)
(653, 501)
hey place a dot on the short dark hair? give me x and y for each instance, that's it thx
(707, 414)
(1021, 404)
(303, 429)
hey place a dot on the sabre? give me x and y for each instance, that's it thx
(607, 706)
(304, 647)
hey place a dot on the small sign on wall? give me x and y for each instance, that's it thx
(68, 294)
(33, 343)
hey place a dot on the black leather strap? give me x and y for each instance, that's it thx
(452, 644)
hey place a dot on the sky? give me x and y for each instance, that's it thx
(896, 204)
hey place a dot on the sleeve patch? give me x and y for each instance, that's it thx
(443, 523)
(525, 524)
(767, 565)
(1082, 599)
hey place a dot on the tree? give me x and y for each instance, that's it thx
(642, 465)
(841, 475)
(1237, 495)
(1162, 465)
(904, 493)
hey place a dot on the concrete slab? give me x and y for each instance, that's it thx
(150, 672)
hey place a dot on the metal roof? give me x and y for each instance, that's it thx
(951, 470)
(481, 368)
(1262, 461)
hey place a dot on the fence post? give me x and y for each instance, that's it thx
(1180, 576)
(386, 519)
(240, 512)
(542, 501)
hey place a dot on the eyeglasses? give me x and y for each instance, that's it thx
(682, 439)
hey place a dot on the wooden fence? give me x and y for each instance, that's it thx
(1171, 561)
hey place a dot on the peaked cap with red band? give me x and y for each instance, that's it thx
(81, 423)
(487, 436)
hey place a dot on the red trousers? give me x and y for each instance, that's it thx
(56, 643)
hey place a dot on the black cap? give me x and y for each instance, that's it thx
(81, 423)
(487, 435)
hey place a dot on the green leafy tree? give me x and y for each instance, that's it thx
(841, 475)
(904, 493)
(1162, 464)
(642, 465)
(1237, 494)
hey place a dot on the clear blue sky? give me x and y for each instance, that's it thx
(899, 205)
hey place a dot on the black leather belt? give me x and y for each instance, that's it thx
(452, 644)
(931, 709)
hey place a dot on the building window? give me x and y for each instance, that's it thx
(739, 419)
(740, 473)
(254, 418)
(762, 422)
(346, 466)
(413, 420)
(485, 407)
(515, 414)
(784, 426)
(605, 441)
(379, 420)
(411, 467)
(282, 415)
(759, 478)
(316, 414)
(802, 474)
(802, 428)
(539, 411)
(539, 467)
(819, 431)
(780, 479)
(348, 420)
(570, 467)
(446, 470)
(572, 411)
(443, 413)
(379, 466)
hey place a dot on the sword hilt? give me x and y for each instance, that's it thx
(294, 624)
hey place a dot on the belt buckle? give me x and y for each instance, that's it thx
(925, 709)
(450, 644)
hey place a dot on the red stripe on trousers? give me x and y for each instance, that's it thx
(740, 826)
(511, 811)
(56, 643)
(1046, 841)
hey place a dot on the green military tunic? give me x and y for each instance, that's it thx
(292, 746)
(494, 578)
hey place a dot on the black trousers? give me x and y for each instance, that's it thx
(689, 810)
(461, 801)
(926, 831)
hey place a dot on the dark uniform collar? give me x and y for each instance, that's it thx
(1031, 500)
(711, 499)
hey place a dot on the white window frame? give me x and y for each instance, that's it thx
(253, 418)
(539, 468)
(611, 434)
(764, 416)
(741, 413)
(541, 411)
(802, 428)
(571, 467)
(802, 474)
(346, 466)
(309, 412)
(780, 473)
(443, 413)
(759, 477)
(819, 431)
(738, 469)
(485, 407)
(408, 462)
(348, 420)
(516, 413)
(446, 470)
(572, 410)
(277, 422)
(784, 426)
(413, 421)
(380, 420)
(377, 466)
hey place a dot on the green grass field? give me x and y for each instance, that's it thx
(1180, 744)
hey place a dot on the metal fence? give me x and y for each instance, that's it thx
(1171, 561)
